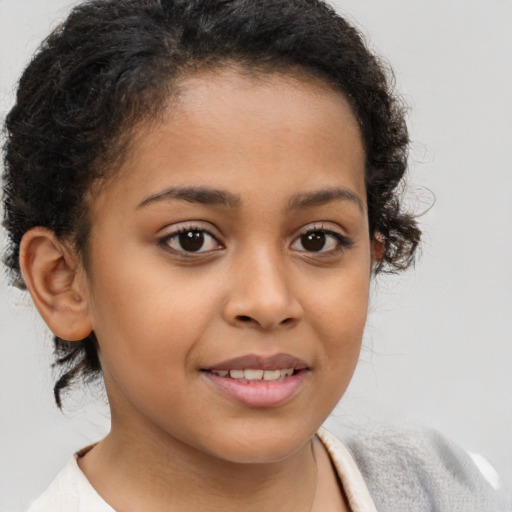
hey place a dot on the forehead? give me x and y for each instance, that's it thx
(282, 104)
(227, 124)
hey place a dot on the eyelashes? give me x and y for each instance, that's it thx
(321, 241)
(194, 240)
(191, 240)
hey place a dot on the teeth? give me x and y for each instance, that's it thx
(271, 374)
(254, 374)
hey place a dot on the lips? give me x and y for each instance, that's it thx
(252, 361)
(257, 381)
(253, 374)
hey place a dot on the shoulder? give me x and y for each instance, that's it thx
(414, 468)
(70, 491)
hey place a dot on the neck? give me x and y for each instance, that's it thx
(160, 473)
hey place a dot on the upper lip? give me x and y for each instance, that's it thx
(257, 362)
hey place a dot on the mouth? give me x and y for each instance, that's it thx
(257, 381)
(256, 374)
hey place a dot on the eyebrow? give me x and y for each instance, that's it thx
(304, 200)
(216, 197)
(201, 195)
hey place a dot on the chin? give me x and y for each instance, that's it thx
(261, 446)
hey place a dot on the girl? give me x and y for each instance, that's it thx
(197, 194)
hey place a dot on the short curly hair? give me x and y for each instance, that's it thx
(113, 64)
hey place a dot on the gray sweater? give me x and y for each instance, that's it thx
(418, 470)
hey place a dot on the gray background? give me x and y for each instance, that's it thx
(438, 344)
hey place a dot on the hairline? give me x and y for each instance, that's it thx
(169, 96)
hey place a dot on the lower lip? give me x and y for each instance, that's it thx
(259, 393)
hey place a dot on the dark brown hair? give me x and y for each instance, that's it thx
(112, 64)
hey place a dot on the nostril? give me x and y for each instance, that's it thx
(248, 319)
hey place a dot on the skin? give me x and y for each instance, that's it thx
(161, 315)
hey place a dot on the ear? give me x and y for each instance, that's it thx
(378, 249)
(56, 282)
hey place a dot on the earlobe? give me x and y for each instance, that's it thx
(55, 281)
(378, 250)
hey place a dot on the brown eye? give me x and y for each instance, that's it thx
(322, 241)
(314, 241)
(192, 240)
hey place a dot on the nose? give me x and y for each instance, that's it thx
(261, 295)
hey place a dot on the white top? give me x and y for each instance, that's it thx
(72, 492)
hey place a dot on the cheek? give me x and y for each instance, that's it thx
(152, 315)
(341, 326)
(339, 310)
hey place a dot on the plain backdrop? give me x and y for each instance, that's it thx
(438, 344)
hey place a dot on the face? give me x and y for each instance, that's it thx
(229, 268)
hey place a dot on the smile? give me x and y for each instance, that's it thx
(256, 381)
(255, 375)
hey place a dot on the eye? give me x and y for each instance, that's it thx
(191, 240)
(319, 240)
